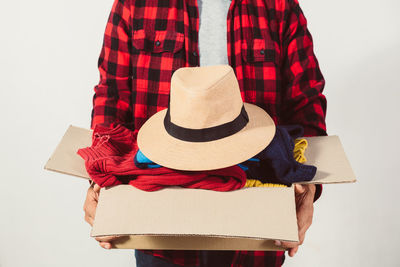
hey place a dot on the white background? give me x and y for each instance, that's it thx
(48, 68)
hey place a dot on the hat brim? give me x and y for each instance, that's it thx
(165, 150)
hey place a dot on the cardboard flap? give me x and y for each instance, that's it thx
(64, 158)
(260, 213)
(327, 154)
(324, 152)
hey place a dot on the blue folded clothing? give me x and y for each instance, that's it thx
(142, 162)
(276, 162)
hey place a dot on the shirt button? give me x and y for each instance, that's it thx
(262, 52)
(158, 43)
(194, 54)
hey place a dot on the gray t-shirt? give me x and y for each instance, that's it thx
(212, 32)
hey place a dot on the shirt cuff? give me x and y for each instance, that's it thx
(318, 191)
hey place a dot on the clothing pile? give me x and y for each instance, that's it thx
(114, 158)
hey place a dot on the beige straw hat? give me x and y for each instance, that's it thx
(207, 126)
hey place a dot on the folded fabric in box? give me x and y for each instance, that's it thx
(141, 161)
(110, 161)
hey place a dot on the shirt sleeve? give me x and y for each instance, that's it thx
(303, 102)
(318, 191)
(111, 101)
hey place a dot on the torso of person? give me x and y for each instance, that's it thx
(266, 42)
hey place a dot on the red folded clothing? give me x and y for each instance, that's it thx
(110, 161)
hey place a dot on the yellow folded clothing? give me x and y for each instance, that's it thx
(257, 183)
(300, 146)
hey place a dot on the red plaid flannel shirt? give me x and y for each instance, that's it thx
(269, 48)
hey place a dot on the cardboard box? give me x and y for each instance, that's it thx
(181, 218)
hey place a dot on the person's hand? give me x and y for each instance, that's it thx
(89, 208)
(304, 195)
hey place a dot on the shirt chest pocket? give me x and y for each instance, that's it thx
(261, 72)
(260, 52)
(157, 42)
(155, 56)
